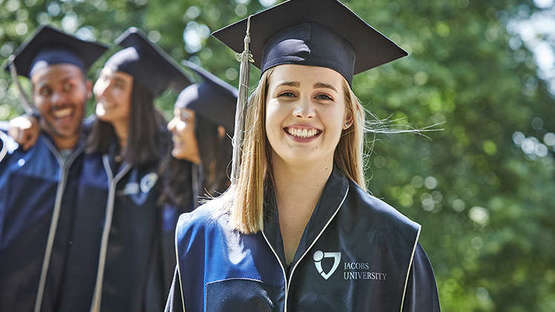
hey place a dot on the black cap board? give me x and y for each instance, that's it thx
(147, 63)
(312, 32)
(212, 98)
(50, 46)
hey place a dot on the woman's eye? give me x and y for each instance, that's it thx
(185, 117)
(324, 97)
(286, 94)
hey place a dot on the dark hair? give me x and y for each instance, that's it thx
(177, 183)
(147, 139)
(215, 154)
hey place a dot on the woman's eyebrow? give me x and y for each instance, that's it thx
(119, 80)
(324, 85)
(290, 84)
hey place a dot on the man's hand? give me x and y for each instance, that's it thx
(24, 130)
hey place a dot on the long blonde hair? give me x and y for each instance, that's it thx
(247, 195)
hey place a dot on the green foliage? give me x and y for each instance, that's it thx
(484, 200)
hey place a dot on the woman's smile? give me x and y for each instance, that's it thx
(302, 133)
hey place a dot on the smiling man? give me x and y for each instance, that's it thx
(60, 92)
(38, 185)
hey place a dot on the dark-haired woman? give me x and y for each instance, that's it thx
(198, 166)
(199, 159)
(115, 262)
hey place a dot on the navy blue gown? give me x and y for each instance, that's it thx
(356, 254)
(37, 200)
(116, 262)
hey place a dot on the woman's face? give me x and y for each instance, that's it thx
(305, 113)
(182, 127)
(112, 91)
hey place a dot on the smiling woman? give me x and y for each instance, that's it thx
(312, 111)
(298, 213)
(117, 261)
(203, 118)
(112, 91)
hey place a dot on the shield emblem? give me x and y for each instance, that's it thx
(319, 256)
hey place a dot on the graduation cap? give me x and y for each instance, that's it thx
(50, 46)
(147, 63)
(212, 98)
(312, 32)
(321, 33)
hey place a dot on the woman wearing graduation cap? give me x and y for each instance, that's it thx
(203, 121)
(115, 262)
(297, 231)
(197, 168)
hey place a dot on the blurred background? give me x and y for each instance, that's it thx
(483, 188)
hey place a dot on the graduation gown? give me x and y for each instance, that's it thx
(171, 210)
(356, 254)
(37, 197)
(115, 263)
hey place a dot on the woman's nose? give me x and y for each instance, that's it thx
(171, 125)
(304, 108)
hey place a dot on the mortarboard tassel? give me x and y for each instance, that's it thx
(242, 102)
(24, 99)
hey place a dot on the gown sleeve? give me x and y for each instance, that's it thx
(3, 144)
(175, 300)
(421, 294)
(2, 148)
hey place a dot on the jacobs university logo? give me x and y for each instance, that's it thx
(145, 185)
(352, 270)
(320, 255)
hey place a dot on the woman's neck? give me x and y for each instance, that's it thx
(122, 130)
(298, 189)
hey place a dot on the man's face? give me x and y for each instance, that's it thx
(60, 92)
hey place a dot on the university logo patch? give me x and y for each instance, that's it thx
(319, 255)
(148, 182)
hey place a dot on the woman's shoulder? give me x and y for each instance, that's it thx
(378, 212)
(210, 217)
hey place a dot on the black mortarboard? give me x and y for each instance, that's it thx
(312, 32)
(49, 46)
(212, 98)
(147, 63)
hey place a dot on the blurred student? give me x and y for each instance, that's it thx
(38, 186)
(197, 168)
(115, 262)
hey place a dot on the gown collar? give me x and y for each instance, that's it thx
(330, 201)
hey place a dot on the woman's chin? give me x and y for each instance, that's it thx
(103, 115)
(179, 154)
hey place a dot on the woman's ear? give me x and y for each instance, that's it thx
(348, 122)
(89, 89)
(221, 132)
